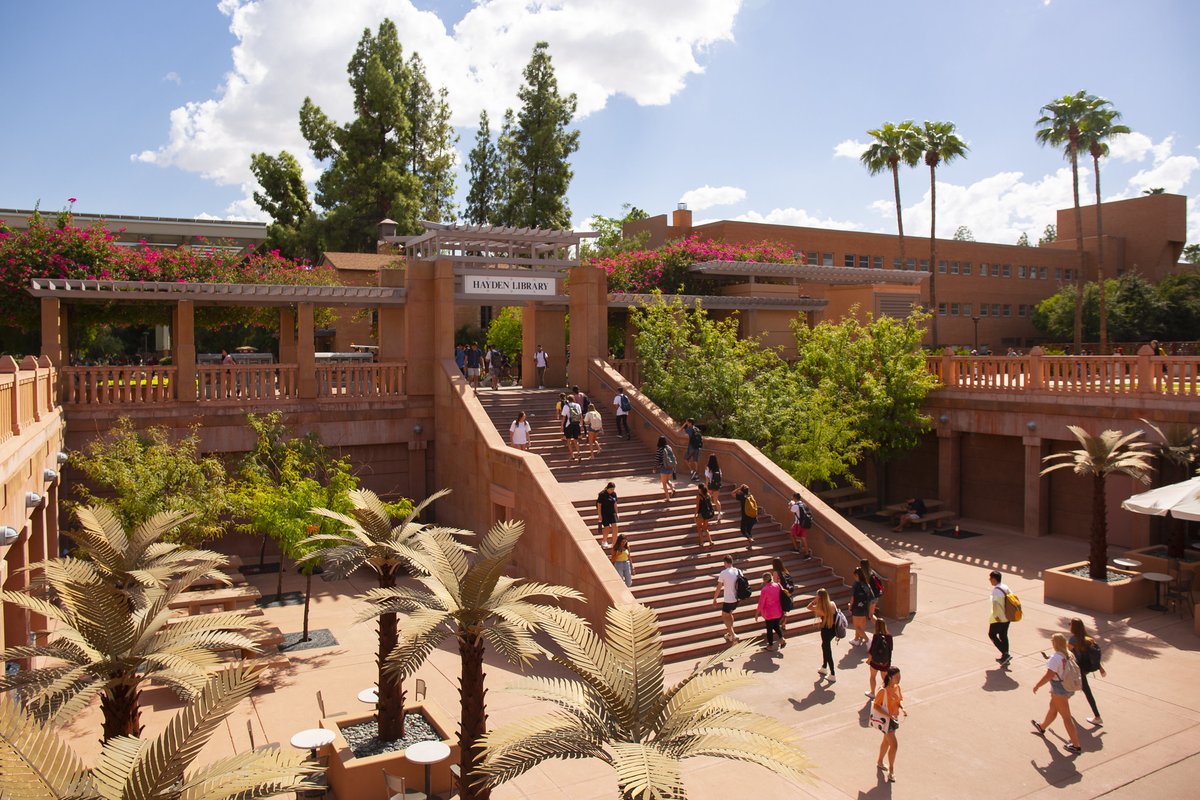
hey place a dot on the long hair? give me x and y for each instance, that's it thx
(662, 442)
(891, 673)
(520, 416)
(881, 626)
(824, 606)
(621, 543)
(1059, 642)
(858, 573)
(1080, 633)
(712, 463)
(777, 565)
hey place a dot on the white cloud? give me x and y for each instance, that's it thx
(173, 77)
(1136, 146)
(710, 196)
(289, 49)
(849, 148)
(796, 216)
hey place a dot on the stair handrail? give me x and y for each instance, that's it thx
(840, 544)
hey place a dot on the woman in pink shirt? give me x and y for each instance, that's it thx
(770, 609)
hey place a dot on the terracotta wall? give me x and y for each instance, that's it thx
(916, 473)
(993, 473)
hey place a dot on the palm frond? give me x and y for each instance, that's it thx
(632, 635)
(264, 772)
(35, 764)
(645, 772)
(514, 642)
(513, 749)
(419, 635)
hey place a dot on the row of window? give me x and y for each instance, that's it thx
(951, 267)
(985, 310)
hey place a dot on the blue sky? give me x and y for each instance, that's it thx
(749, 109)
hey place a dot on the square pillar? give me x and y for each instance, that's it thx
(183, 337)
(38, 623)
(16, 619)
(389, 331)
(287, 335)
(1037, 488)
(54, 332)
(306, 362)
(950, 468)
(428, 322)
(589, 320)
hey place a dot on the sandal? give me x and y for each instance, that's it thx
(1038, 729)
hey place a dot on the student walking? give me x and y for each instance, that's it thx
(712, 479)
(726, 595)
(621, 561)
(770, 610)
(695, 442)
(787, 590)
(594, 426)
(1057, 667)
(1087, 656)
(890, 701)
(802, 521)
(998, 622)
(664, 465)
(606, 507)
(541, 360)
(518, 432)
(572, 414)
(704, 512)
(558, 413)
(875, 583)
(860, 605)
(826, 613)
(749, 508)
(879, 654)
(621, 409)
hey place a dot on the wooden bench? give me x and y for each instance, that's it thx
(896, 510)
(235, 579)
(936, 516)
(206, 600)
(849, 504)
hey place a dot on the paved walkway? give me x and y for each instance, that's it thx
(968, 733)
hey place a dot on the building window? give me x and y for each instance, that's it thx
(1042, 270)
(1069, 274)
(1021, 310)
(924, 265)
(877, 262)
(983, 309)
(1008, 270)
(995, 309)
(941, 266)
(864, 261)
(912, 264)
(966, 268)
(953, 267)
(897, 264)
(941, 309)
(1007, 310)
(827, 259)
(1058, 273)
(954, 309)
(983, 268)
(995, 270)
(848, 260)
(966, 309)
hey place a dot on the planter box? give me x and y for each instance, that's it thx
(362, 778)
(1154, 559)
(1132, 593)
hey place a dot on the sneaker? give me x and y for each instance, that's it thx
(1095, 720)
(1074, 748)
(832, 679)
(782, 643)
(870, 694)
(1004, 662)
(1037, 728)
(822, 672)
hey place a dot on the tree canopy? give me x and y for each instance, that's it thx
(1138, 309)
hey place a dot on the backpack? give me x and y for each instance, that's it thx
(786, 587)
(742, 588)
(715, 483)
(625, 404)
(1072, 678)
(839, 625)
(706, 509)
(1089, 661)
(669, 461)
(1012, 607)
(880, 650)
(806, 518)
(751, 507)
(573, 413)
(876, 585)
(695, 440)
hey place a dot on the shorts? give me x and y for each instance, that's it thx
(893, 726)
(665, 471)
(493, 370)
(693, 454)
(798, 532)
(572, 430)
(879, 667)
(607, 519)
(913, 516)
(728, 608)
(1056, 687)
(472, 372)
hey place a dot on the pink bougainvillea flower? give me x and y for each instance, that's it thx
(71, 200)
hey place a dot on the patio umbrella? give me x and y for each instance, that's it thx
(1179, 500)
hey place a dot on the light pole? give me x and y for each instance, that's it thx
(975, 319)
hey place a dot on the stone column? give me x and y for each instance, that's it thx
(16, 619)
(287, 335)
(589, 320)
(183, 339)
(390, 326)
(306, 364)
(950, 467)
(54, 338)
(529, 343)
(1037, 488)
(38, 553)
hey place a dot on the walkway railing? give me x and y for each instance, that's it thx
(361, 380)
(100, 386)
(26, 394)
(246, 382)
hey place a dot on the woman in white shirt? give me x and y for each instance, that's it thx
(1059, 696)
(594, 426)
(518, 432)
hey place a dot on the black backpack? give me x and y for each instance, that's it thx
(715, 483)
(743, 587)
(695, 440)
(625, 404)
(786, 587)
(881, 650)
(806, 518)
(706, 509)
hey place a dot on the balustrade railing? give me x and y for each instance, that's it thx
(1142, 374)
(26, 393)
(246, 382)
(361, 380)
(100, 386)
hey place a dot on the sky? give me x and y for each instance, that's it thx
(743, 109)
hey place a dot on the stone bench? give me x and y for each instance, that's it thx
(206, 600)
(936, 516)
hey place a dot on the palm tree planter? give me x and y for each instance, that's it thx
(351, 776)
(1064, 584)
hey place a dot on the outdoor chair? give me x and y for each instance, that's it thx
(321, 792)
(396, 790)
(321, 706)
(419, 690)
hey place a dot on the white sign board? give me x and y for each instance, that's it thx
(506, 285)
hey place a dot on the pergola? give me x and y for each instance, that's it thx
(808, 273)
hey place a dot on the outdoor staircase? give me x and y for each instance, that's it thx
(675, 575)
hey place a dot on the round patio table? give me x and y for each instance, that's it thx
(427, 753)
(1127, 563)
(1160, 578)
(369, 696)
(312, 739)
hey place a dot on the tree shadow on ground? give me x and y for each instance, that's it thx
(1122, 635)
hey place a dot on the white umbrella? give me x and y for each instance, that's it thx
(1180, 500)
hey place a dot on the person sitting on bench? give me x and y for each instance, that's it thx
(916, 510)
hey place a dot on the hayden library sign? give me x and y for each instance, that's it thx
(516, 286)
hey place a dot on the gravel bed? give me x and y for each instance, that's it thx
(1110, 577)
(321, 637)
(364, 740)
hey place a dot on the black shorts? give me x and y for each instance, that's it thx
(572, 430)
(607, 519)
(728, 608)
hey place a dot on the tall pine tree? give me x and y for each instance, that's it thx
(536, 149)
(483, 165)
(431, 143)
(284, 196)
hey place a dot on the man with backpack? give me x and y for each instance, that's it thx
(999, 620)
(802, 521)
(622, 406)
(732, 586)
(749, 512)
(573, 414)
(695, 442)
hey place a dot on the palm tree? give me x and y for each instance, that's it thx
(893, 145)
(941, 145)
(1059, 127)
(140, 565)
(1177, 448)
(472, 602)
(1110, 453)
(371, 540)
(1097, 127)
(100, 648)
(619, 712)
(38, 765)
